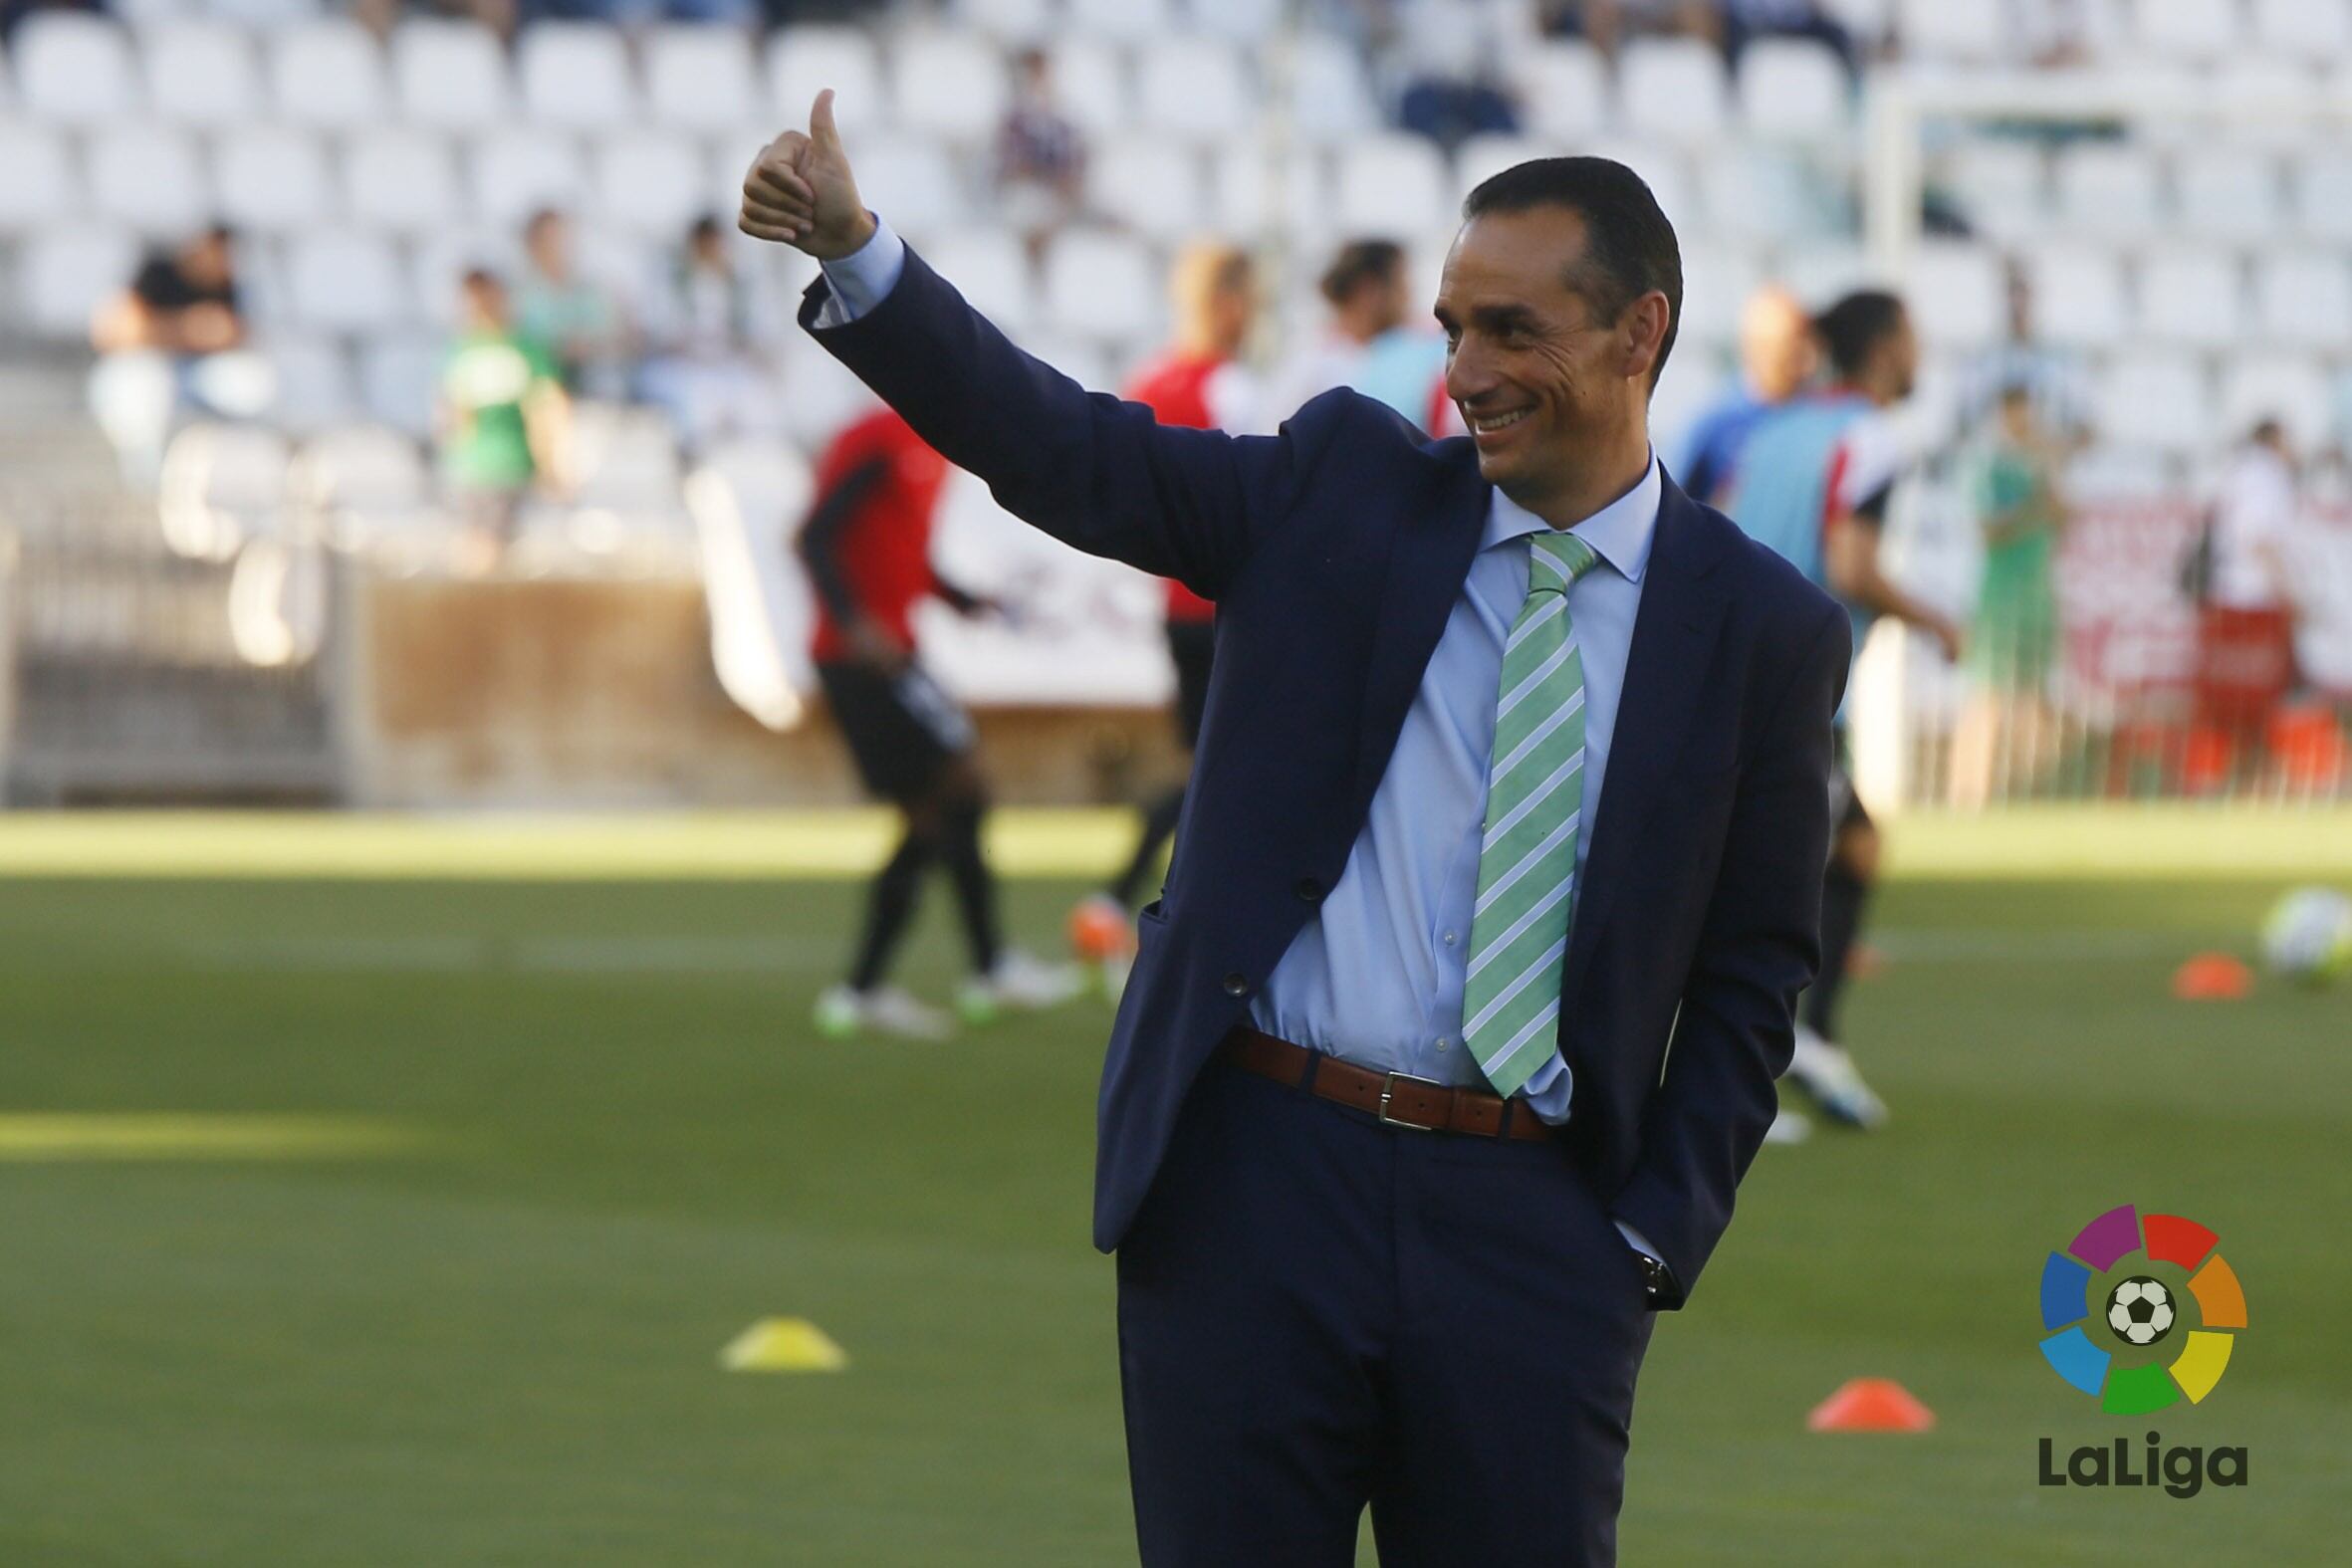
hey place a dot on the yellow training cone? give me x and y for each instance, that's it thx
(784, 1344)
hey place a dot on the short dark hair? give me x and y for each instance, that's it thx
(1854, 326)
(1630, 246)
(1359, 262)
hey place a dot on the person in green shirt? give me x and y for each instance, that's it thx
(504, 419)
(2008, 728)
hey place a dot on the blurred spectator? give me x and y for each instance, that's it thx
(2054, 378)
(1744, 21)
(172, 344)
(504, 420)
(1040, 162)
(1777, 356)
(1607, 24)
(13, 12)
(1452, 89)
(2008, 728)
(576, 318)
(2245, 622)
(382, 15)
(2052, 34)
(709, 323)
(1370, 343)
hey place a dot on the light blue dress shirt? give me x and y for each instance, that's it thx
(1376, 977)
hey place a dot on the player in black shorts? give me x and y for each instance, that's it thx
(868, 547)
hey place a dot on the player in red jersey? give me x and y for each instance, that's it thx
(1199, 382)
(868, 547)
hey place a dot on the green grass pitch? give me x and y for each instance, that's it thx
(550, 1130)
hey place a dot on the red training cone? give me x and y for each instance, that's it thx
(1871, 1404)
(2213, 976)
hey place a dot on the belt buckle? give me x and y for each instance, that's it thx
(1388, 1091)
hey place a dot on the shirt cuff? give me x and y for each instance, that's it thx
(863, 279)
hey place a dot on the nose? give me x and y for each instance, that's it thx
(1468, 377)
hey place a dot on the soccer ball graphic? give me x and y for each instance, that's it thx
(2307, 936)
(2140, 1310)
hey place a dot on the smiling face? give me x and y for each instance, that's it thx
(1548, 372)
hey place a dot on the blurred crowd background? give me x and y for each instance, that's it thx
(389, 412)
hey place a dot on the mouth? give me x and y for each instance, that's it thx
(1486, 429)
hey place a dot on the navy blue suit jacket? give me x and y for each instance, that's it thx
(1334, 552)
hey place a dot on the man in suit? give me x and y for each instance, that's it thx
(1455, 1024)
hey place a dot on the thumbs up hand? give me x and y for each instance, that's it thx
(800, 191)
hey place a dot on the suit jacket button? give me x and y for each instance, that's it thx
(1310, 889)
(1237, 985)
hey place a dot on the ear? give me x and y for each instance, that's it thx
(1643, 333)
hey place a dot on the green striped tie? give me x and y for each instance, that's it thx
(1527, 860)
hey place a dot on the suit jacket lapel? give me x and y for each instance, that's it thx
(1674, 631)
(1429, 556)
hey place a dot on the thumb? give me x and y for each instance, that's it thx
(821, 122)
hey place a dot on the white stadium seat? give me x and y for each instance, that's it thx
(151, 178)
(1822, 273)
(221, 485)
(628, 459)
(1149, 183)
(2266, 103)
(2154, 400)
(201, 73)
(651, 181)
(1009, 20)
(1793, 87)
(451, 76)
(2191, 298)
(2079, 298)
(1242, 21)
(948, 84)
(1083, 362)
(2108, 190)
(1481, 157)
(2304, 29)
(1672, 89)
(518, 172)
(2192, 30)
(272, 179)
(575, 75)
(2323, 195)
(65, 274)
(1247, 199)
(36, 182)
(1717, 280)
(75, 70)
(1101, 286)
(314, 383)
(1565, 86)
(1091, 84)
(403, 180)
(1392, 185)
(328, 72)
(346, 283)
(2228, 193)
(1194, 86)
(2304, 299)
(1972, 30)
(700, 77)
(1958, 295)
(1761, 192)
(911, 179)
(989, 267)
(2287, 388)
(803, 61)
(2001, 186)
(1129, 21)
(372, 467)
(399, 375)
(1332, 94)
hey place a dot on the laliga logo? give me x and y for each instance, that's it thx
(2138, 1311)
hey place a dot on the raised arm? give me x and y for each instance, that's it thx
(1100, 474)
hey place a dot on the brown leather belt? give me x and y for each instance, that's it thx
(1395, 1097)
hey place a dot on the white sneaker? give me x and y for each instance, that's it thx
(841, 1011)
(1829, 1075)
(1020, 983)
(1789, 1127)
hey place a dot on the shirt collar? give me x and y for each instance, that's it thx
(1620, 532)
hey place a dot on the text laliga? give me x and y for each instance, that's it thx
(2183, 1471)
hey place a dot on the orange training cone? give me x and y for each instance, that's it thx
(1871, 1404)
(2213, 976)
